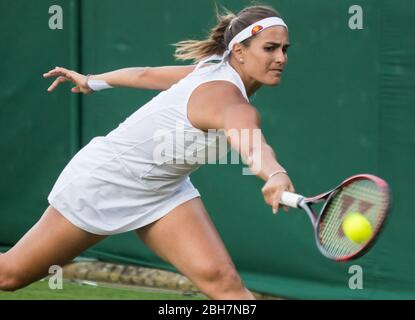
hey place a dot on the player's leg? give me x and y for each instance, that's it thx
(187, 238)
(53, 240)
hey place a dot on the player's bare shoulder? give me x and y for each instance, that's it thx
(209, 101)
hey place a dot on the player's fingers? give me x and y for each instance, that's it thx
(56, 83)
(268, 197)
(290, 188)
(75, 90)
(53, 72)
(58, 71)
(276, 202)
(49, 72)
(62, 70)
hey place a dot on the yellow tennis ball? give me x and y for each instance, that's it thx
(356, 227)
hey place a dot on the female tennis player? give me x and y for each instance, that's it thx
(114, 184)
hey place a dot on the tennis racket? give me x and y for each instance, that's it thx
(363, 193)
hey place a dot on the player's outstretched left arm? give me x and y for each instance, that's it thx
(153, 78)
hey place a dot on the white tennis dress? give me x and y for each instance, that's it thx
(136, 174)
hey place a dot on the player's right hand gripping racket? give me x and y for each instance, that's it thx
(363, 193)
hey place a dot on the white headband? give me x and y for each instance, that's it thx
(255, 28)
(246, 33)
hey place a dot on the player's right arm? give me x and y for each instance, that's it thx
(153, 78)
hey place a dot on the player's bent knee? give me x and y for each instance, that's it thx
(10, 283)
(230, 281)
(8, 286)
(223, 278)
(9, 280)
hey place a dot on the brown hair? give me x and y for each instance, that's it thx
(221, 35)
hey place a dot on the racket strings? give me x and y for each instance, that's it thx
(339, 244)
(362, 196)
(340, 207)
(343, 207)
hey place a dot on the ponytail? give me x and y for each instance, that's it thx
(196, 50)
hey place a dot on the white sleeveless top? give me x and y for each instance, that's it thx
(140, 171)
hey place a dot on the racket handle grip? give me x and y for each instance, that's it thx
(290, 199)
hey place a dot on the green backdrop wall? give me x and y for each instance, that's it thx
(345, 106)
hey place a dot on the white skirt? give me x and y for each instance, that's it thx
(97, 193)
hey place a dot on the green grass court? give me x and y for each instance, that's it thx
(93, 291)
